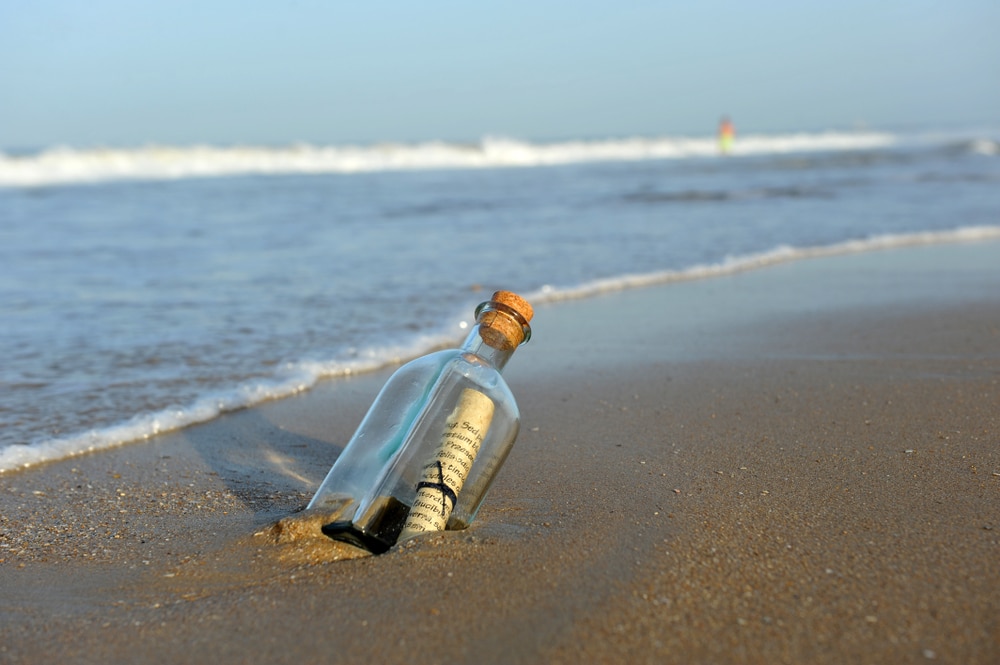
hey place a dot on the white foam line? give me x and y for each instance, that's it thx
(66, 165)
(302, 376)
(298, 378)
(777, 255)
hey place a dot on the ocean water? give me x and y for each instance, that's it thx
(149, 288)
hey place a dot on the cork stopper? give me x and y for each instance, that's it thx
(503, 321)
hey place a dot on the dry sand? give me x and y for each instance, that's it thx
(793, 465)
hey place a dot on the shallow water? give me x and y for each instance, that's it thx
(145, 300)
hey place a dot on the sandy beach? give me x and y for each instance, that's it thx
(799, 464)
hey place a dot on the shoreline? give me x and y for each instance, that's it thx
(206, 407)
(794, 464)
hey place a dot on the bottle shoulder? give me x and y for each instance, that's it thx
(455, 364)
(455, 359)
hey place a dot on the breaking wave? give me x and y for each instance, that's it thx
(66, 165)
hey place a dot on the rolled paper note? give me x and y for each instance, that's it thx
(445, 473)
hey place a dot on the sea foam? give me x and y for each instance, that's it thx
(757, 260)
(293, 378)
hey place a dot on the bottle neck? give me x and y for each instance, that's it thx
(499, 329)
(496, 357)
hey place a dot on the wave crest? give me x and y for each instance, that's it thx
(65, 165)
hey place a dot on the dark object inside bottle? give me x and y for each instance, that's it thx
(384, 523)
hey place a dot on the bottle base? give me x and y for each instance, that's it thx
(376, 529)
(345, 532)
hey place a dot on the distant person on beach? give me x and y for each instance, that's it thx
(727, 133)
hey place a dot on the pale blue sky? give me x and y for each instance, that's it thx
(86, 72)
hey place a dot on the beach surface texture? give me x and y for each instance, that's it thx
(798, 464)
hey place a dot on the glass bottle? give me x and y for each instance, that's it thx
(426, 453)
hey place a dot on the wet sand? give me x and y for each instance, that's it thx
(796, 464)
